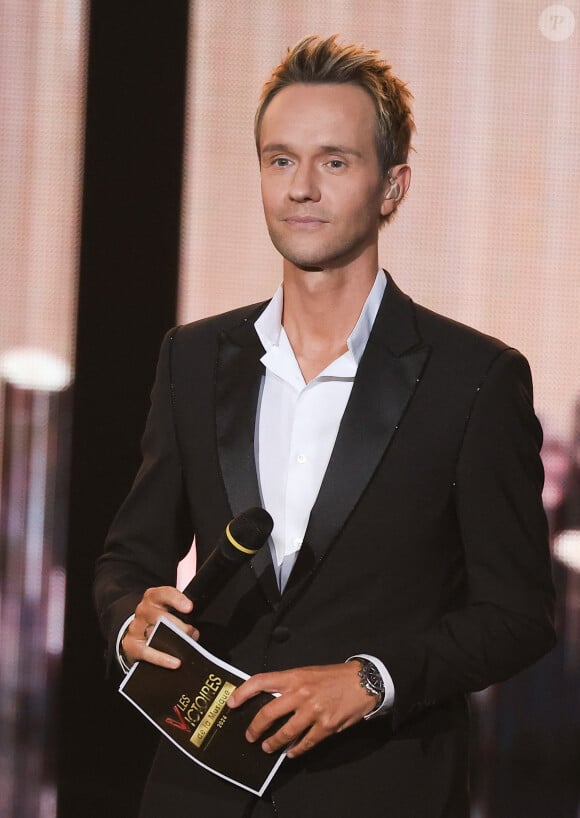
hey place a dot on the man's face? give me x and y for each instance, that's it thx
(322, 188)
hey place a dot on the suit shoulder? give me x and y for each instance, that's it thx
(452, 343)
(223, 322)
(457, 339)
(469, 353)
(205, 332)
(436, 327)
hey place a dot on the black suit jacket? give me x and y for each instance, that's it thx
(426, 546)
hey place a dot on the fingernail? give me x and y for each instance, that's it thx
(266, 747)
(249, 737)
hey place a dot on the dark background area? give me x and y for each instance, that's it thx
(127, 300)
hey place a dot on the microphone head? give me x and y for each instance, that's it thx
(247, 533)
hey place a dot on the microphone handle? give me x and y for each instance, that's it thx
(212, 574)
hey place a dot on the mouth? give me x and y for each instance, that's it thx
(304, 222)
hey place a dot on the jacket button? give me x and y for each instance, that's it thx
(281, 633)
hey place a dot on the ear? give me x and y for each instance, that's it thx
(395, 188)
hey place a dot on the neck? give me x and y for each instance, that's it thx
(321, 308)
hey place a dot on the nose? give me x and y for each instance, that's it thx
(304, 184)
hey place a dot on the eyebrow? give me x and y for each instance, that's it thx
(275, 147)
(341, 149)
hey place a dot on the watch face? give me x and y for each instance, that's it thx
(372, 677)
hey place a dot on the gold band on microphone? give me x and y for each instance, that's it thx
(238, 545)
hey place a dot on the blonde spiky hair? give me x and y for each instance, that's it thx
(318, 60)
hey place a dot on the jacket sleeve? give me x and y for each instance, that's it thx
(505, 622)
(152, 530)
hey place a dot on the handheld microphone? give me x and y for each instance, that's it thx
(243, 537)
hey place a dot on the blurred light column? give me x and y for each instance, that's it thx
(36, 402)
(567, 550)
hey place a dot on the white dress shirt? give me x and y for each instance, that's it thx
(296, 428)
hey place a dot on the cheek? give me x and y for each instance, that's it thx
(266, 204)
(272, 195)
(361, 200)
(363, 212)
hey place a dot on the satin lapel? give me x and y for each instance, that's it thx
(238, 377)
(388, 374)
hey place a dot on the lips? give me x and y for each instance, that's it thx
(304, 221)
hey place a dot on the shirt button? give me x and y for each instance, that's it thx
(301, 458)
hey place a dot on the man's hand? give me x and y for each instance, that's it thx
(318, 701)
(156, 602)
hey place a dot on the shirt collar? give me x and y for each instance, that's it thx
(357, 340)
(269, 324)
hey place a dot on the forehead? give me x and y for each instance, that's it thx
(323, 114)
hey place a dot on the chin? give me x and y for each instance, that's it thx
(308, 267)
(303, 259)
(306, 261)
(317, 256)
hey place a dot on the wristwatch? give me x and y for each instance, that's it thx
(370, 678)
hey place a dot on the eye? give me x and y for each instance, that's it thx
(281, 162)
(336, 164)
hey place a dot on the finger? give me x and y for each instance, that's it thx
(268, 715)
(309, 740)
(135, 646)
(260, 683)
(287, 734)
(299, 735)
(190, 630)
(136, 649)
(157, 602)
(156, 657)
(161, 599)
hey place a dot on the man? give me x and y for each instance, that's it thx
(398, 454)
